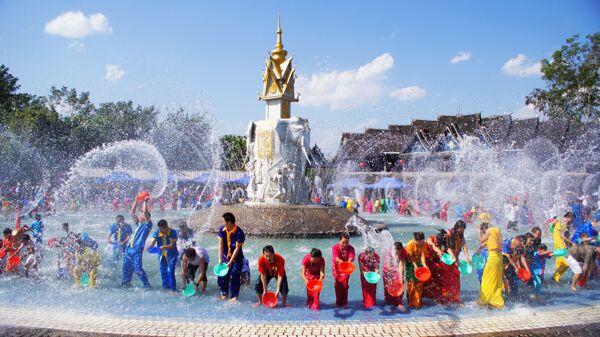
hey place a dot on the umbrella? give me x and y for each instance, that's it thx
(387, 183)
(119, 177)
(240, 181)
(171, 177)
(201, 179)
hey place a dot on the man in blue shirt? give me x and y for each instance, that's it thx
(132, 260)
(166, 239)
(231, 240)
(119, 235)
(590, 229)
(37, 227)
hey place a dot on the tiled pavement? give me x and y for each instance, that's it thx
(27, 322)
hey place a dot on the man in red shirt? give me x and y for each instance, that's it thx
(313, 267)
(271, 265)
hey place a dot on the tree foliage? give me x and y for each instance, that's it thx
(572, 81)
(66, 124)
(233, 152)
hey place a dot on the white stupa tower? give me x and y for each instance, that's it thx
(278, 146)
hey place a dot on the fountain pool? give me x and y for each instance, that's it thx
(50, 294)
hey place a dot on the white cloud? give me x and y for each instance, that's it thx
(77, 46)
(518, 66)
(346, 89)
(114, 72)
(409, 94)
(76, 25)
(462, 56)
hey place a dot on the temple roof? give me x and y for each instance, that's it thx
(521, 132)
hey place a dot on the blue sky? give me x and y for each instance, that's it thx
(360, 64)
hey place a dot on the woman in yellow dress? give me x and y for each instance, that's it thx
(558, 229)
(491, 281)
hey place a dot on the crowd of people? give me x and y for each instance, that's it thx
(424, 267)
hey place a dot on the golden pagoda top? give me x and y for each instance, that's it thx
(278, 80)
(279, 53)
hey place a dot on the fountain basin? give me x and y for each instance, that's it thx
(282, 220)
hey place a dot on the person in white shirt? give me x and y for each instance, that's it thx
(195, 258)
(511, 209)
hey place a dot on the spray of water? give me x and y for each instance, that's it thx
(133, 165)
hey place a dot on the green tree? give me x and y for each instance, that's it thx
(69, 103)
(10, 99)
(233, 152)
(572, 81)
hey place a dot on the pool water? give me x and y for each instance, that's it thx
(108, 298)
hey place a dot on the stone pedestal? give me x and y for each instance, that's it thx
(277, 150)
(280, 220)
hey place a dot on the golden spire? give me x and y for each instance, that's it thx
(279, 53)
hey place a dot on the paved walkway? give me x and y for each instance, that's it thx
(32, 323)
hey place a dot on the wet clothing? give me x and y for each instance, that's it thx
(230, 283)
(392, 277)
(271, 270)
(88, 261)
(538, 267)
(167, 258)
(585, 254)
(512, 252)
(118, 234)
(194, 264)
(414, 288)
(341, 280)
(10, 246)
(559, 243)
(369, 290)
(312, 271)
(132, 259)
(37, 227)
(191, 272)
(200, 253)
(587, 228)
(444, 284)
(484, 253)
(491, 281)
(432, 288)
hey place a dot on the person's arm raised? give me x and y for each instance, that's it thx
(145, 209)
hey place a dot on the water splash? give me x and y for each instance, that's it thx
(134, 165)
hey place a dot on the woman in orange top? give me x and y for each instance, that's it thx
(415, 251)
